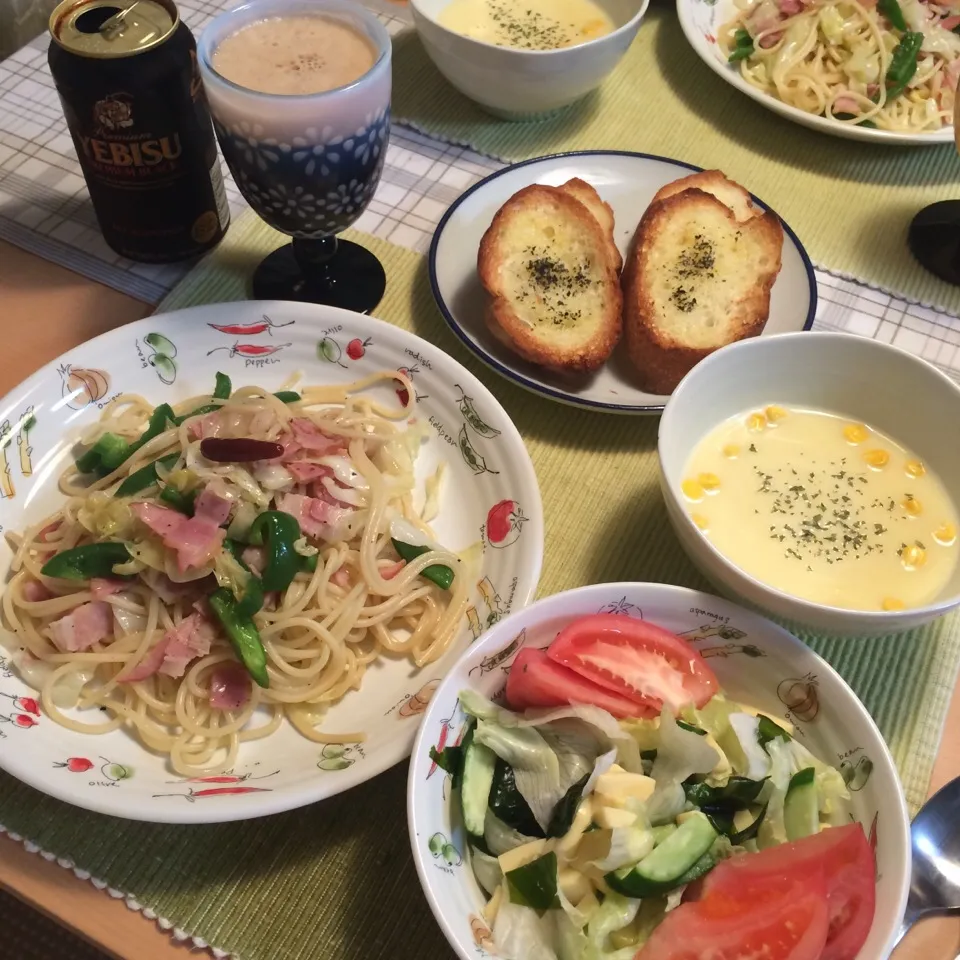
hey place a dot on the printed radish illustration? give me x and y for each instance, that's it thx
(505, 520)
(24, 721)
(76, 764)
(28, 705)
(356, 348)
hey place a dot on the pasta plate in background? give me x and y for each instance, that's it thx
(249, 581)
(884, 72)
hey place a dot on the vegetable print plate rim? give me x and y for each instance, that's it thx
(756, 662)
(628, 182)
(171, 357)
(700, 21)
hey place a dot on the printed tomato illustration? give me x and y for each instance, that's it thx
(28, 705)
(76, 764)
(356, 348)
(22, 720)
(505, 520)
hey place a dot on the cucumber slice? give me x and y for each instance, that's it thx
(801, 814)
(661, 833)
(667, 866)
(479, 762)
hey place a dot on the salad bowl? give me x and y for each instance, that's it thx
(756, 663)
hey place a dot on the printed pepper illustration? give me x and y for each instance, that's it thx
(440, 847)
(505, 521)
(266, 325)
(356, 348)
(249, 350)
(496, 659)
(856, 774)
(193, 795)
(328, 349)
(76, 764)
(83, 386)
(471, 457)
(334, 757)
(161, 358)
(27, 422)
(800, 695)
(469, 413)
(415, 705)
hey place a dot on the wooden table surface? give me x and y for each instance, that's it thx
(46, 310)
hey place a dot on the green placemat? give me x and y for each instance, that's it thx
(850, 203)
(336, 879)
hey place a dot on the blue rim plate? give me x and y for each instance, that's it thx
(627, 181)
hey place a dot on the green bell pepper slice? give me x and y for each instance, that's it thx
(279, 532)
(145, 477)
(87, 561)
(242, 633)
(438, 573)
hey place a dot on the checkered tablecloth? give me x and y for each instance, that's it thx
(44, 206)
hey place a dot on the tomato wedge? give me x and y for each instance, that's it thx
(844, 856)
(636, 659)
(536, 681)
(788, 920)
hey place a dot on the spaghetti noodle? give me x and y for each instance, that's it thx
(150, 590)
(891, 64)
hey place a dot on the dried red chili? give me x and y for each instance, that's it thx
(239, 449)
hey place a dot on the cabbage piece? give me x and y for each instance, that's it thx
(614, 914)
(681, 754)
(742, 746)
(832, 24)
(499, 837)
(535, 765)
(772, 830)
(609, 732)
(571, 941)
(520, 934)
(831, 790)
(486, 869)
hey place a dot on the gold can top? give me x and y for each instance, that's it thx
(110, 29)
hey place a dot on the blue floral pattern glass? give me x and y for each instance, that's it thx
(307, 164)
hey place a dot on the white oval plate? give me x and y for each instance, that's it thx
(700, 21)
(756, 662)
(113, 773)
(628, 182)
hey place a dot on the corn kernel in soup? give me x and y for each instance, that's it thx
(824, 508)
(530, 25)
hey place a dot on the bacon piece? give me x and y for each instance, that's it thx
(304, 472)
(83, 627)
(34, 591)
(194, 539)
(191, 638)
(311, 437)
(229, 686)
(211, 506)
(102, 587)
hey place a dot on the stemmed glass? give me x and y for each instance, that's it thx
(934, 236)
(308, 164)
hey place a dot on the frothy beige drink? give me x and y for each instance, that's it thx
(294, 55)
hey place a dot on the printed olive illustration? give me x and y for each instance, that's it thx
(436, 844)
(160, 344)
(116, 771)
(451, 855)
(330, 351)
(334, 757)
(800, 696)
(856, 775)
(165, 367)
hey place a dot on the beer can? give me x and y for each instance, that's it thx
(130, 87)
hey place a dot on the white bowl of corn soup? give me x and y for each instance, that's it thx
(520, 60)
(817, 476)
